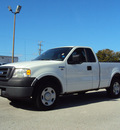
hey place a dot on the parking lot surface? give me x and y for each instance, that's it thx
(92, 111)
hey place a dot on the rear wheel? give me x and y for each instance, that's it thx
(114, 89)
(46, 96)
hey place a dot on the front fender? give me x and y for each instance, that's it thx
(60, 78)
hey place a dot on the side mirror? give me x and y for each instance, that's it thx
(76, 59)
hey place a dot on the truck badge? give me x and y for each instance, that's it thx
(61, 67)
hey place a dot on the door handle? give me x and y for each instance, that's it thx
(89, 67)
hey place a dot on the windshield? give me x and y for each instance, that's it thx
(58, 54)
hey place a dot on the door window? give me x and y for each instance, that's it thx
(90, 55)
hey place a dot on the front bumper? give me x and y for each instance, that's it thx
(16, 88)
(16, 92)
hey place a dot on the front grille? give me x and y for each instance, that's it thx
(6, 72)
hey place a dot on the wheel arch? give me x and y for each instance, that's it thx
(49, 79)
(115, 76)
(113, 90)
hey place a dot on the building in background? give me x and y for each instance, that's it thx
(7, 59)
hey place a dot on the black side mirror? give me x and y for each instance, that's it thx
(76, 59)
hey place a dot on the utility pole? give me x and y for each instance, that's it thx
(16, 12)
(40, 50)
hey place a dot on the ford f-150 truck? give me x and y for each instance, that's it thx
(58, 71)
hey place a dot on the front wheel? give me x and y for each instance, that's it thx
(46, 96)
(114, 89)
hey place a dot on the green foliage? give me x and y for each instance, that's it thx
(108, 55)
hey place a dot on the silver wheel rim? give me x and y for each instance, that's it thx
(116, 88)
(48, 96)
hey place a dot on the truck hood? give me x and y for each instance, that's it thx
(31, 64)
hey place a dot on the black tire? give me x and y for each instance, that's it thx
(13, 100)
(46, 96)
(114, 89)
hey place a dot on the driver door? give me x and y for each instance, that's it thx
(79, 72)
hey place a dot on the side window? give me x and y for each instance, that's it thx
(90, 55)
(80, 53)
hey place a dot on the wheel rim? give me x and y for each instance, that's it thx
(116, 88)
(48, 96)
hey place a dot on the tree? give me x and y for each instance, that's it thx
(108, 55)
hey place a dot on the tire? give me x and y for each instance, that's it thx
(46, 96)
(13, 100)
(114, 89)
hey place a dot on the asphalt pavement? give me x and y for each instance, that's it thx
(92, 111)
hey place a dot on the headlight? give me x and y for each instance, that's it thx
(20, 73)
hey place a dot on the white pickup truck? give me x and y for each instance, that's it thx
(58, 71)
